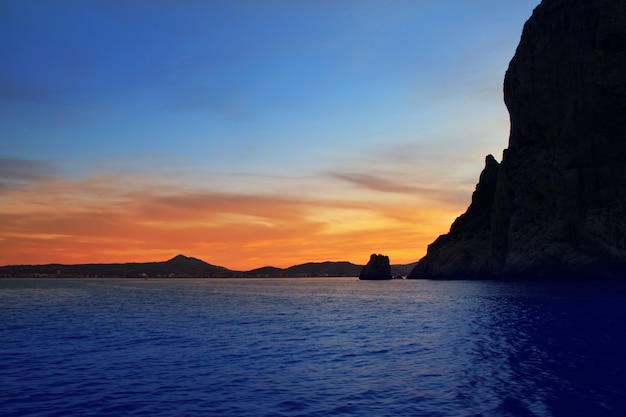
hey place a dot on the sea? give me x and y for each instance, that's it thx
(311, 347)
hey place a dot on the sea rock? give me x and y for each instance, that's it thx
(558, 208)
(378, 268)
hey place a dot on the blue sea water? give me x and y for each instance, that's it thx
(311, 347)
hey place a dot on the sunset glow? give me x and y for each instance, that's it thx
(106, 220)
(245, 134)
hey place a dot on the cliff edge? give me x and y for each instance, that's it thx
(555, 207)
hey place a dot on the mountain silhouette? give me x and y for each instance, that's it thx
(182, 266)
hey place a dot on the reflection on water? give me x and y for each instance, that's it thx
(313, 347)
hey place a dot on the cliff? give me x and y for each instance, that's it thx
(465, 251)
(556, 205)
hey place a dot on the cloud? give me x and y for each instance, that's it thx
(25, 169)
(440, 192)
(378, 183)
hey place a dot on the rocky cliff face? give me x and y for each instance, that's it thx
(465, 251)
(557, 204)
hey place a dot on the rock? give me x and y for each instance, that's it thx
(558, 208)
(378, 268)
(465, 251)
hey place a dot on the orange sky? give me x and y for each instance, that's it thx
(135, 217)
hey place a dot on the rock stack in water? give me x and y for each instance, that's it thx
(555, 207)
(378, 268)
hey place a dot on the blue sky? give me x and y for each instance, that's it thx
(343, 101)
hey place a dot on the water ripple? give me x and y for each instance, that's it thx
(326, 347)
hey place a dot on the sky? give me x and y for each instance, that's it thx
(245, 133)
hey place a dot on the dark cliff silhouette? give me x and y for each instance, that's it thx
(555, 207)
(378, 268)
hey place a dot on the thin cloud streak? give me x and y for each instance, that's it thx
(377, 183)
(444, 193)
(25, 169)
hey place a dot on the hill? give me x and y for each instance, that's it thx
(186, 267)
(177, 267)
(311, 269)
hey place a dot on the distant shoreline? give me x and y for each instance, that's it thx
(186, 267)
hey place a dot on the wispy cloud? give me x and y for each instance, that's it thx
(377, 183)
(25, 169)
(437, 193)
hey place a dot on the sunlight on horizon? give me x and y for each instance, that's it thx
(246, 134)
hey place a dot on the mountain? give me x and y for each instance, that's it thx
(177, 267)
(311, 269)
(186, 267)
(555, 207)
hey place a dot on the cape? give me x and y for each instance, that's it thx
(555, 207)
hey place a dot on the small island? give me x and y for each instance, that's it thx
(377, 269)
